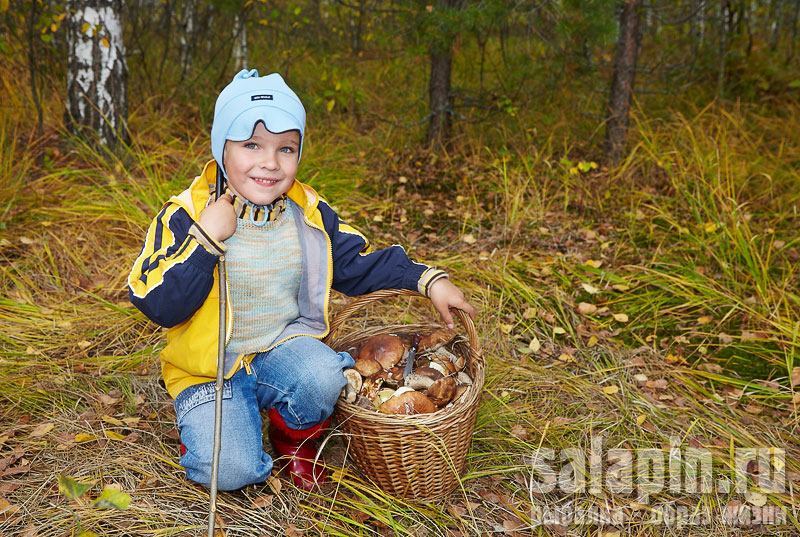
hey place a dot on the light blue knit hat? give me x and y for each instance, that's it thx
(249, 99)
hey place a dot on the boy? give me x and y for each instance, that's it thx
(285, 249)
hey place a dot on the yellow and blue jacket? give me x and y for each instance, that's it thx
(174, 279)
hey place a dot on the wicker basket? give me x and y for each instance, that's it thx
(421, 456)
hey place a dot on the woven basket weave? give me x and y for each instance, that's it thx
(421, 456)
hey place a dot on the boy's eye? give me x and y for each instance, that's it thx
(251, 145)
(287, 150)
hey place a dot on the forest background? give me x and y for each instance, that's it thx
(630, 241)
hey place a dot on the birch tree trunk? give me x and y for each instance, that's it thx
(187, 37)
(96, 88)
(240, 42)
(622, 83)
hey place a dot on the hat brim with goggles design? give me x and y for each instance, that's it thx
(249, 99)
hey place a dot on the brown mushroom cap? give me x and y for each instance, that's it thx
(442, 391)
(387, 349)
(445, 363)
(367, 367)
(436, 338)
(408, 403)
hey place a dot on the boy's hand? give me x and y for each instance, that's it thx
(218, 219)
(444, 296)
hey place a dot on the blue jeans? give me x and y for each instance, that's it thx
(301, 378)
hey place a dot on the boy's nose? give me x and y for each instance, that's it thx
(269, 162)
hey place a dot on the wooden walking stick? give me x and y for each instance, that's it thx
(223, 291)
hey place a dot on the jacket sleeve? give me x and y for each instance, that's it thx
(358, 270)
(174, 272)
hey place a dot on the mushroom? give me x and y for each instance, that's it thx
(439, 366)
(446, 364)
(459, 392)
(383, 395)
(371, 387)
(353, 386)
(422, 378)
(463, 378)
(442, 391)
(367, 367)
(386, 349)
(446, 356)
(407, 403)
(437, 338)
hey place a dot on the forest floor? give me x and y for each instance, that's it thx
(649, 309)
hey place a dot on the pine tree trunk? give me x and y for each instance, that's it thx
(96, 106)
(441, 108)
(795, 16)
(440, 100)
(622, 83)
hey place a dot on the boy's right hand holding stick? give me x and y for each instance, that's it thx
(218, 219)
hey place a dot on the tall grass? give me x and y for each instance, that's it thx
(677, 239)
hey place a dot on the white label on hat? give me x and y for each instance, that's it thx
(261, 98)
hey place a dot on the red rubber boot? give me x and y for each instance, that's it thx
(296, 446)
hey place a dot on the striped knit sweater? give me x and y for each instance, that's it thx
(264, 266)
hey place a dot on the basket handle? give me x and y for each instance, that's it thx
(364, 300)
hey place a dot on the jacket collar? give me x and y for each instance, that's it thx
(205, 183)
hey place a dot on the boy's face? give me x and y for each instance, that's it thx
(262, 168)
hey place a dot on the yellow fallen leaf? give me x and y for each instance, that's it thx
(756, 498)
(778, 458)
(469, 238)
(558, 330)
(27, 241)
(711, 227)
(620, 317)
(113, 421)
(535, 344)
(589, 288)
(639, 377)
(611, 390)
(131, 421)
(584, 308)
(530, 313)
(620, 287)
(592, 342)
(506, 328)
(567, 358)
(83, 437)
(705, 319)
(274, 483)
(114, 435)
(641, 419)
(594, 264)
(42, 429)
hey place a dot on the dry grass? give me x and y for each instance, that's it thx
(79, 391)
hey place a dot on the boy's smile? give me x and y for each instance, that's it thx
(262, 168)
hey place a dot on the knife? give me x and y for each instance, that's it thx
(411, 355)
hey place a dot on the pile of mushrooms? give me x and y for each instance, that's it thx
(436, 381)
